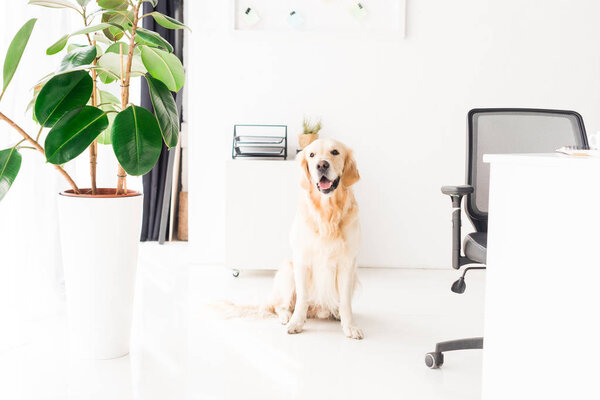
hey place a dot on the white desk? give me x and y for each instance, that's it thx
(542, 321)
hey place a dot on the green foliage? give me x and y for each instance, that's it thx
(58, 45)
(78, 57)
(167, 22)
(15, 52)
(10, 164)
(121, 16)
(136, 140)
(165, 110)
(62, 99)
(62, 42)
(62, 94)
(109, 103)
(111, 63)
(152, 39)
(73, 133)
(164, 66)
(54, 4)
(310, 128)
(111, 4)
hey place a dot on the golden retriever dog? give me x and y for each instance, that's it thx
(320, 280)
(325, 236)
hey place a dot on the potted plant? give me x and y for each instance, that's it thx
(309, 134)
(100, 227)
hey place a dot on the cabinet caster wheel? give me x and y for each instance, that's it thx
(434, 360)
(235, 273)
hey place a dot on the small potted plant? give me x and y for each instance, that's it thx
(310, 132)
(99, 227)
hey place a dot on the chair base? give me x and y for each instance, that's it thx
(435, 359)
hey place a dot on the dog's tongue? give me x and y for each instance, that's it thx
(324, 184)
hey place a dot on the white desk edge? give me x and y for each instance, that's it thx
(539, 158)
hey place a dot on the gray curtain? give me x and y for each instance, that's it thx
(157, 182)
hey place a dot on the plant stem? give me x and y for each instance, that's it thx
(94, 145)
(40, 149)
(125, 79)
(37, 138)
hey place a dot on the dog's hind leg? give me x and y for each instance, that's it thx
(284, 293)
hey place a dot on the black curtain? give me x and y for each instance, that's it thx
(157, 182)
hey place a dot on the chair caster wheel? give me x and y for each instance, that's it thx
(235, 273)
(434, 360)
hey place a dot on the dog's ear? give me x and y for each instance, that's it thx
(350, 174)
(304, 174)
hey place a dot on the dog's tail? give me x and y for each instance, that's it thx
(227, 309)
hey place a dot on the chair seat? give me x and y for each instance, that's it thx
(475, 245)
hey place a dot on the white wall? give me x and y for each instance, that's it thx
(400, 103)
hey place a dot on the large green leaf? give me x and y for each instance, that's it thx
(58, 45)
(164, 66)
(73, 46)
(168, 22)
(111, 4)
(62, 94)
(54, 4)
(15, 51)
(152, 39)
(116, 48)
(165, 110)
(136, 140)
(73, 133)
(96, 28)
(10, 163)
(122, 17)
(62, 42)
(78, 57)
(112, 63)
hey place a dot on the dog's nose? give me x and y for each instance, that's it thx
(322, 166)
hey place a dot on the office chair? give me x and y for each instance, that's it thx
(497, 131)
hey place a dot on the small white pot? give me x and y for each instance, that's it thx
(99, 240)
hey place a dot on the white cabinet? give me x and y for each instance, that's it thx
(261, 201)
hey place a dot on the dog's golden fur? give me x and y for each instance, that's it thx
(320, 280)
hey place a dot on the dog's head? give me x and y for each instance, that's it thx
(327, 164)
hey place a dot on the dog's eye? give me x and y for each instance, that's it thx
(312, 155)
(335, 152)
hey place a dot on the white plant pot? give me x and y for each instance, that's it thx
(99, 240)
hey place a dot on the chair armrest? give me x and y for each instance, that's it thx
(457, 190)
(456, 194)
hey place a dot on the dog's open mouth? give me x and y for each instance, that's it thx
(326, 186)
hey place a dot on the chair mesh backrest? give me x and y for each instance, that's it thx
(493, 131)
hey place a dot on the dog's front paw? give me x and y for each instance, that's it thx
(295, 326)
(284, 316)
(353, 332)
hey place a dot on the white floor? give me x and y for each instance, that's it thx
(180, 350)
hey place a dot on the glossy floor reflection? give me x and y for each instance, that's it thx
(402, 314)
(36, 363)
(181, 350)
